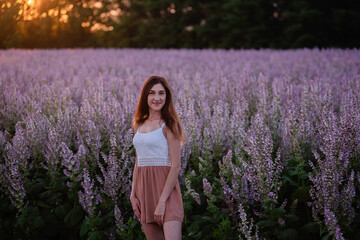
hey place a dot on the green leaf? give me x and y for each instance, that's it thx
(74, 216)
(291, 218)
(96, 222)
(301, 194)
(55, 197)
(304, 176)
(98, 235)
(326, 237)
(31, 211)
(312, 227)
(45, 194)
(210, 219)
(223, 230)
(292, 161)
(21, 221)
(292, 182)
(42, 204)
(38, 222)
(84, 228)
(220, 215)
(266, 223)
(276, 213)
(133, 225)
(194, 227)
(41, 181)
(288, 233)
(123, 226)
(60, 211)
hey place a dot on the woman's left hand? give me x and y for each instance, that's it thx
(159, 213)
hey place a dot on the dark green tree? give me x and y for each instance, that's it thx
(181, 24)
(9, 16)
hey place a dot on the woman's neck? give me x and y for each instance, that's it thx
(154, 115)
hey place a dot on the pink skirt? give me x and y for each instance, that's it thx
(150, 182)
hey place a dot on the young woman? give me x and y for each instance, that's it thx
(155, 196)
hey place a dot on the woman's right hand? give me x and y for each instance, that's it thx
(136, 206)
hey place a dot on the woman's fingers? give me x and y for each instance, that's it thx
(138, 215)
(159, 213)
(136, 207)
(159, 219)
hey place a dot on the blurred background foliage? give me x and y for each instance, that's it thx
(180, 23)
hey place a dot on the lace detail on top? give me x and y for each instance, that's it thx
(152, 148)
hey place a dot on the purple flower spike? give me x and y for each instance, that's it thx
(88, 198)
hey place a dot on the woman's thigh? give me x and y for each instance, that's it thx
(172, 230)
(153, 231)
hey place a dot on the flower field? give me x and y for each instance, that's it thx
(272, 142)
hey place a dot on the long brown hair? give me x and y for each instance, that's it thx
(168, 112)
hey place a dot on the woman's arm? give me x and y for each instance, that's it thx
(174, 153)
(133, 198)
(133, 193)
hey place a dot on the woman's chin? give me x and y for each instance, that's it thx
(156, 108)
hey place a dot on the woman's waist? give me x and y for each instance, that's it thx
(153, 161)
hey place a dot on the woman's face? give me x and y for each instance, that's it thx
(157, 97)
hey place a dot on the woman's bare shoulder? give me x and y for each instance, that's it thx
(169, 134)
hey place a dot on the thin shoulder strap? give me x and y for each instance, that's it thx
(162, 126)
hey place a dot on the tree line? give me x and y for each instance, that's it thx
(226, 24)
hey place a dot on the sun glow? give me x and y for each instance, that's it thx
(28, 9)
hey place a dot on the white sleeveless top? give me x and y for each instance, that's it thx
(152, 148)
